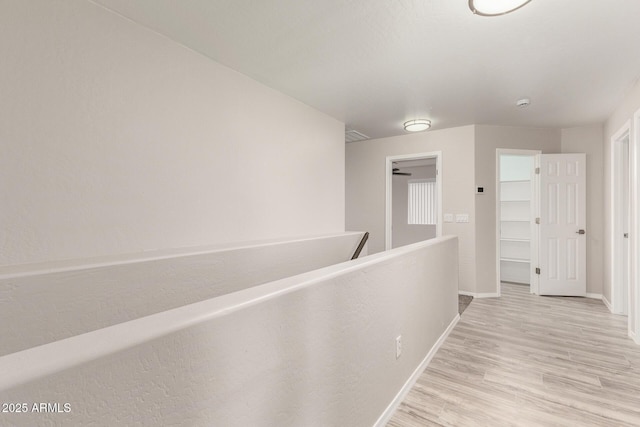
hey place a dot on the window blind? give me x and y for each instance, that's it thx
(422, 202)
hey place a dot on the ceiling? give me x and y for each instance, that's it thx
(374, 64)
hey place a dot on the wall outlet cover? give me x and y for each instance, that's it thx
(448, 217)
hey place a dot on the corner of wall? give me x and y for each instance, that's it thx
(624, 112)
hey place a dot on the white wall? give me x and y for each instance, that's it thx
(625, 112)
(366, 181)
(63, 301)
(589, 140)
(115, 140)
(404, 233)
(311, 350)
(487, 140)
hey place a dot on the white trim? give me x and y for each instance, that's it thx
(607, 303)
(389, 186)
(634, 244)
(408, 385)
(634, 337)
(480, 295)
(617, 240)
(495, 295)
(533, 258)
(487, 295)
(418, 180)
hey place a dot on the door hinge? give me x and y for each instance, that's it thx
(537, 171)
(537, 220)
(537, 270)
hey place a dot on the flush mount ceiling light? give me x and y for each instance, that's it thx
(495, 7)
(417, 125)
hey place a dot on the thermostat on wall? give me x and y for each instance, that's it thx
(479, 190)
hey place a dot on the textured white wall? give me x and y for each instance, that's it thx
(311, 350)
(63, 302)
(365, 187)
(115, 140)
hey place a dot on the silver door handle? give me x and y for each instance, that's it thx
(626, 235)
(581, 232)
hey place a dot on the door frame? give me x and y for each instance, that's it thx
(634, 243)
(617, 239)
(535, 201)
(388, 235)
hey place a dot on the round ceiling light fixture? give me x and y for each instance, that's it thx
(495, 7)
(524, 102)
(417, 125)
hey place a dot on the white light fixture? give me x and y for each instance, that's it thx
(524, 102)
(417, 125)
(495, 7)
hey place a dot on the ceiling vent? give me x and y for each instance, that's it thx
(351, 135)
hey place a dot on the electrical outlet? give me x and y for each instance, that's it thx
(398, 346)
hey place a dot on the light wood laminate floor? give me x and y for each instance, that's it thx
(524, 360)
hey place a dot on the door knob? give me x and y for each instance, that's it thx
(580, 232)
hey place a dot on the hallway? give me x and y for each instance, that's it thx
(524, 360)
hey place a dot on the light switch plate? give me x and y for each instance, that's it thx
(448, 217)
(462, 217)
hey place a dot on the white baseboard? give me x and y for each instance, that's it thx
(496, 295)
(406, 388)
(475, 295)
(487, 295)
(607, 303)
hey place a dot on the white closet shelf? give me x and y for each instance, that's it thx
(515, 221)
(522, 261)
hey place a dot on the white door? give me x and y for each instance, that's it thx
(563, 264)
